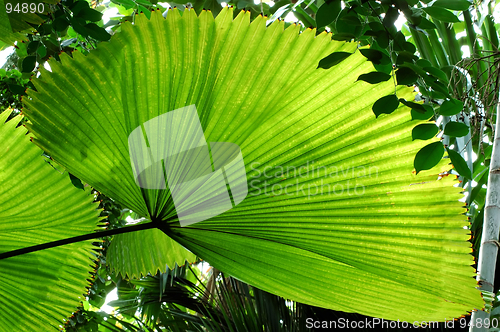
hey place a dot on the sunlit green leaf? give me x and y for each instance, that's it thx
(38, 205)
(360, 220)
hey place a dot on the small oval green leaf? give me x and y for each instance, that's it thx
(333, 59)
(76, 181)
(426, 24)
(420, 108)
(350, 20)
(78, 6)
(390, 17)
(438, 73)
(343, 36)
(456, 129)
(415, 68)
(385, 105)
(60, 23)
(78, 25)
(328, 13)
(406, 76)
(16, 89)
(424, 131)
(440, 87)
(142, 9)
(375, 56)
(125, 3)
(459, 163)
(33, 46)
(374, 77)
(423, 63)
(417, 115)
(405, 57)
(409, 47)
(451, 107)
(97, 32)
(441, 14)
(460, 5)
(428, 157)
(28, 64)
(41, 51)
(382, 38)
(90, 14)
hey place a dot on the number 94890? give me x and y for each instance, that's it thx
(25, 7)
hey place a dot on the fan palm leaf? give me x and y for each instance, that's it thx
(38, 204)
(335, 215)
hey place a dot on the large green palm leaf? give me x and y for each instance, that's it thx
(38, 204)
(394, 248)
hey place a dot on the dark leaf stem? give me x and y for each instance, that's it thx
(79, 238)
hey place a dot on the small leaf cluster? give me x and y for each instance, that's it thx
(13, 84)
(407, 57)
